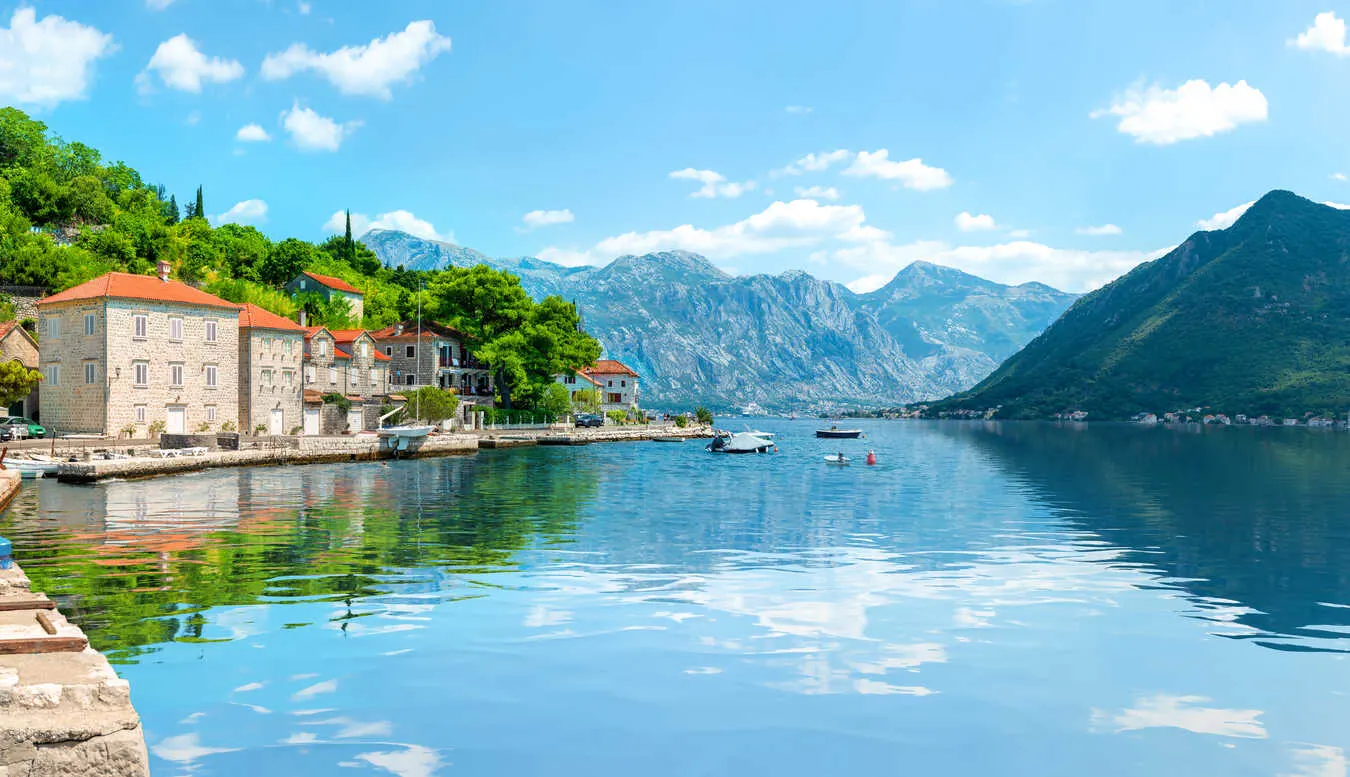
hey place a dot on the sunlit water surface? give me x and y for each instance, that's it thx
(1010, 600)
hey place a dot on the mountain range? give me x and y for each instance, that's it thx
(784, 342)
(1254, 319)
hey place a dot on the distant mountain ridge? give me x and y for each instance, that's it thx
(784, 342)
(1254, 319)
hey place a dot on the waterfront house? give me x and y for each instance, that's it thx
(618, 385)
(328, 287)
(271, 360)
(441, 358)
(367, 374)
(16, 344)
(345, 362)
(124, 353)
(576, 382)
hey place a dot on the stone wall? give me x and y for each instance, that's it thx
(70, 405)
(271, 377)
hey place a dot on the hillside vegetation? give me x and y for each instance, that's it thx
(67, 216)
(1254, 319)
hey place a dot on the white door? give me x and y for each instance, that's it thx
(177, 423)
(276, 423)
(312, 421)
(354, 420)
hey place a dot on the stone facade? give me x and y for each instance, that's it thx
(329, 288)
(345, 365)
(16, 344)
(117, 366)
(271, 369)
(444, 361)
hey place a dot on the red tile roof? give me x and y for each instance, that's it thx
(346, 335)
(252, 316)
(310, 331)
(609, 367)
(429, 329)
(6, 327)
(120, 285)
(313, 397)
(380, 357)
(338, 353)
(334, 283)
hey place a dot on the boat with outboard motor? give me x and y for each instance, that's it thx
(835, 433)
(741, 442)
(837, 458)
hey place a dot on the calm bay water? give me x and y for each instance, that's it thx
(990, 599)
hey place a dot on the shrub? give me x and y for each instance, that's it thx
(228, 426)
(204, 426)
(681, 421)
(260, 429)
(157, 428)
(339, 400)
(618, 416)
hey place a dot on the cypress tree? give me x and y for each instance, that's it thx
(172, 215)
(350, 246)
(200, 209)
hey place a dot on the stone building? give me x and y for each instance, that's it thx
(618, 385)
(16, 344)
(328, 287)
(124, 353)
(576, 382)
(344, 362)
(271, 361)
(443, 360)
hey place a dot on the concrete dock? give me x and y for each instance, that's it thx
(63, 710)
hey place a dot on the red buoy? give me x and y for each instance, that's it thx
(871, 458)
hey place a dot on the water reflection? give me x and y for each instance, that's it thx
(986, 595)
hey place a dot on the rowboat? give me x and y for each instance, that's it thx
(835, 433)
(29, 468)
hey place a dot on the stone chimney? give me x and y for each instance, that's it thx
(398, 329)
(304, 319)
(163, 269)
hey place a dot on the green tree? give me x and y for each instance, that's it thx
(286, 260)
(556, 401)
(23, 141)
(171, 213)
(704, 416)
(199, 210)
(586, 401)
(16, 382)
(431, 404)
(88, 202)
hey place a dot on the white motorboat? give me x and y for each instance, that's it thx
(29, 468)
(743, 442)
(400, 437)
(837, 458)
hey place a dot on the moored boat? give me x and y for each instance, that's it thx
(835, 433)
(837, 458)
(30, 468)
(743, 442)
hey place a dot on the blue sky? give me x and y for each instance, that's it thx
(1077, 138)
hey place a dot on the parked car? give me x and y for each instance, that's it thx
(589, 420)
(19, 428)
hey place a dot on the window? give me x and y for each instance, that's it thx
(140, 414)
(323, 347)
(411, 351)
(611, 384)
(353, 377)
(140, 374)
(53, 327)
(365, 350)
(175, 327)
(211, 412)
(309, 374)
(332, 375)
(90, 372)
(267, 377)
(623, 383)
(570, 380)
(389, 350)
(90, 321)
(140, 325)
(210, 331)
(288, 347)
(374, 378)
(303, 284)
(53, 375)
(211, 376)
(287, 377)
(176, 375)
(412, 379)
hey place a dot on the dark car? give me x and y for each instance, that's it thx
(589, 420)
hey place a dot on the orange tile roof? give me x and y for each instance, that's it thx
(6, 327)
(338, 353)
(313, 397)
(334, 283)
(346, 335)
(609, 367)
(380, 357)
(120, 285)
(310, 331)
(252, 316)
(429, 329)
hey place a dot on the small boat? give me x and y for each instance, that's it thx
(837, 458)
(401, 437)
(835, 433)
(744, 442)
(667, 439)
(31, 469)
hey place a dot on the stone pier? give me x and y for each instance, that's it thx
(63, 710)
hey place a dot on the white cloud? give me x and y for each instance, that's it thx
(1105, 230)
(547, 218)
(1020, 234)
(184, 749)
(816, 163)
(246, 212)
(799, 109)
(396, 220)
(181, 65)
(43, 63)
(313, 132)
(1193, 110)
(1327, 33)
(1338, 176)
(369, 70)
(970, 223)
(1225, 219)
(569, 257)
(1320, 761)
(912, 173)
(158, 5)
(413, 761)
(817, 192)
(1013, 263)
(714, 184)
(304, 8)
(782, 225)
(252, 133)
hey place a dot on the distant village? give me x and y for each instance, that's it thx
(1195, 416)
